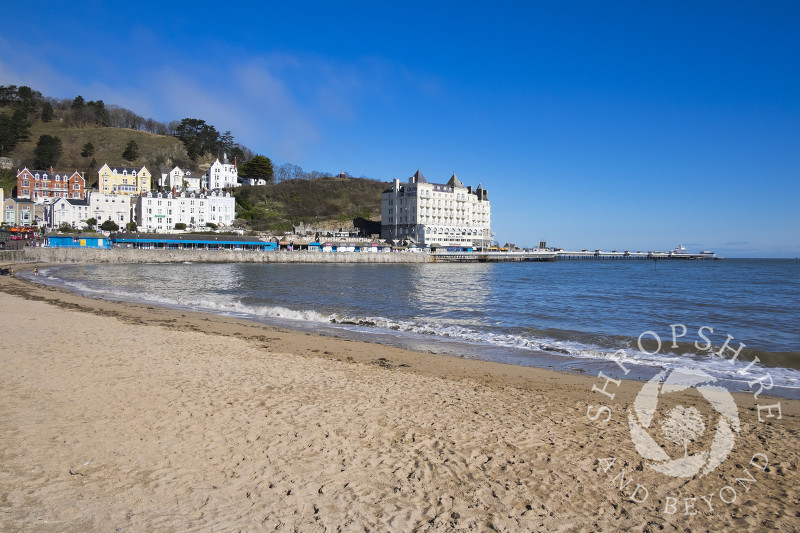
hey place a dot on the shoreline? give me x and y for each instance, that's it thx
(117, 415)
(570, 364)
(215, 324)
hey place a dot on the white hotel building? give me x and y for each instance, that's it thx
(160, 211)
(436, 214)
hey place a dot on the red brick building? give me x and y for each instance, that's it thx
(43, 186)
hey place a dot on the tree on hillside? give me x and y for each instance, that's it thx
(198, 137)
(99, 113)
(14, 127)
(260, 167)
(237, 154)
(28, 98)
(8, 95)
(13, 130)
(226, 143)
(288, 171)
(21, 97)
(131, 152)
(47, 112)
(88, 150)
(85, 113)
(47, 151)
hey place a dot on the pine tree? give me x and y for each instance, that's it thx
(131, 152)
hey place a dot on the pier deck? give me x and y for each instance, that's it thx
(599, 254)
(561, 255)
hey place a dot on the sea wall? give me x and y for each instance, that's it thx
(132, 255)
(12, 256)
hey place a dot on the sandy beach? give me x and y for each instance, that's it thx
(126, 417)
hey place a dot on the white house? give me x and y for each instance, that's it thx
(221, 208)
(425, 213)
(70, 211)
(114, 207)
(160, 211)
(221, 175)
(182, 178)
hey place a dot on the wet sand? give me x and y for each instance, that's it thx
(118, 416)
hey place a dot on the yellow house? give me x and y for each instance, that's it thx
(123, 180)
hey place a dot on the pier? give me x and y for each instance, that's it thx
(492, 256)
(614, 255)
(560, 255)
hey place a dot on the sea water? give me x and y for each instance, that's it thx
(581, 316)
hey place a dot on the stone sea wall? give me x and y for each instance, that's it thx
(12, 256)
(132, 255)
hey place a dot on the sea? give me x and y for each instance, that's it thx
(584, 316)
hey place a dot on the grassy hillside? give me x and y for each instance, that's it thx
(326, 202)
(109, 143)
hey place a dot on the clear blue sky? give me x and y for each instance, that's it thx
(613, 125)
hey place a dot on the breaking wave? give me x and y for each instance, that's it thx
(618, 351)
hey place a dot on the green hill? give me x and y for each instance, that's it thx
(324, 202)
(109, 143)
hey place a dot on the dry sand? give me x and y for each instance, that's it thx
(123, 417)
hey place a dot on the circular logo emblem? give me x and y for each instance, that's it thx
(682, 425)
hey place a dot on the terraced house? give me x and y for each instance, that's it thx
(161, 211)
(19, 212)
(123, 180)
(46, 186)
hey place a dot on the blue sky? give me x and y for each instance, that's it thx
(612, 125)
